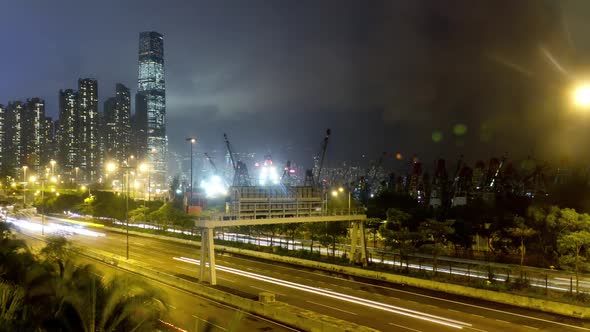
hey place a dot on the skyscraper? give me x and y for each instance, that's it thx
(3, 169)
(14, 123)
(68, 132)
(90, 156)
(33, 133)
(117, 126)
(151, 86)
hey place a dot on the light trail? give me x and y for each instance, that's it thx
(339, 296)
(52, 228)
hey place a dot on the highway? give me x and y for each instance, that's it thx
(556, 280)
(385, 307)
(187, 311)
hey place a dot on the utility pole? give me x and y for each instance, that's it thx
(192, 141)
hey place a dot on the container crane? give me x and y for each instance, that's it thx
(241, 175)
(315, 179)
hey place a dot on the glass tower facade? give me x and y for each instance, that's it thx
(152, 88)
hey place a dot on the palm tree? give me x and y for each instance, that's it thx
(91, 304)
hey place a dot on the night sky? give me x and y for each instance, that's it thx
(393, 76)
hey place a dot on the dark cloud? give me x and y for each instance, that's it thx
(384, 75)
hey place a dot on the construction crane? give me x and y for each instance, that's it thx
(315, 179)
(211, 162)
(241, 175)
(286, 177)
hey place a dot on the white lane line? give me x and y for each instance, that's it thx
(502, 321)
(480, 316)
(340, 296)
(423, 295)
(208, 322)
(221, 278)
(264, 290)
(530, 327)
(405, 327)
(453, 310)
(327, 306)
(139, 243)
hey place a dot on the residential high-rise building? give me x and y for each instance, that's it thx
(139, 127)
(48, 150)
(33, 134)
(3, 169)
(24, 132)
(117, 126)
(151, 86)
(88, 122)
(14, 124)
(68, 132)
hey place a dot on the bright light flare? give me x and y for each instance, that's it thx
(214, 187)
(581, 95)
(268, 175)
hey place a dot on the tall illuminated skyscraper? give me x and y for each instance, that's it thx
(152, 88)
(88, 140)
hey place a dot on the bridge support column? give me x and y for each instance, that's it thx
(207, 255)
(353, 241)
(361, 258)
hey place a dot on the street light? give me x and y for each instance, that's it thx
(145, 168)
(111, 167)
(25, 186)
(581, 95)
(192, 141)
(335, 193)
(52, 162)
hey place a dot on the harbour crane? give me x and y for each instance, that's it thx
(241, 175)
(312, 179)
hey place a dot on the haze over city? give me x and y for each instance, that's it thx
(384, 77)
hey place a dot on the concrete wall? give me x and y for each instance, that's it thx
(484, 294)
(277, 311)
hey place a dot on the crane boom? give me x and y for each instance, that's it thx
(324, 147)
(211, 162)
(231, 153)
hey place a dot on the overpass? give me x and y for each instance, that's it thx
(208, 226)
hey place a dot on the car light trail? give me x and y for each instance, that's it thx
(339, 296)
(52, 228)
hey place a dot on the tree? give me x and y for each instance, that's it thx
(140, 214)
(436, 233)
(575, 248)
(521, 231)
(169, 214)
(87, 303)
(373, 224)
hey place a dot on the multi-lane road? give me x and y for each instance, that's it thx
(384, 307)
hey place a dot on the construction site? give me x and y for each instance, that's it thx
(287, 190)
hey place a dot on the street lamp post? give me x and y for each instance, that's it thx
(25, 186)
(192, 141)
(111, 167)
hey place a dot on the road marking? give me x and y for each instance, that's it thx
(221, 278)
(502, 321)
(327, 306)
(530, 327)
(423, 295)
(480, 316)
(139, 243)
(453, 310)
(208, 322)
(264, 290)
(432, 306)
(405, 327)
